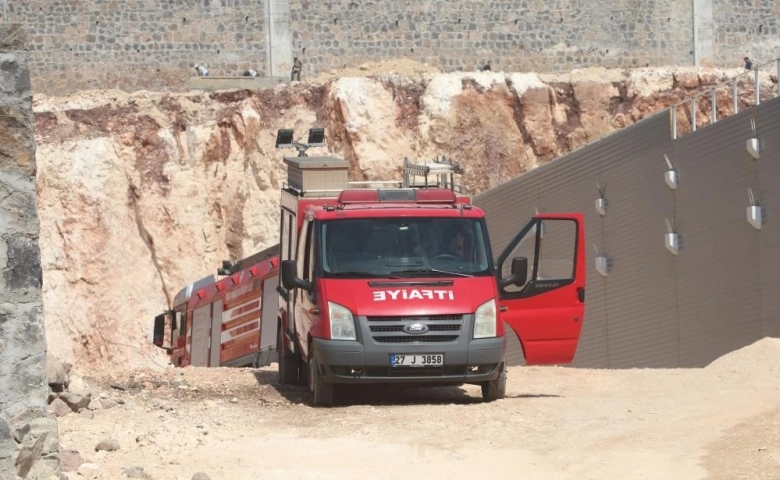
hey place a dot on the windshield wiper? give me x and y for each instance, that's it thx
(432, 270)
(360, 273)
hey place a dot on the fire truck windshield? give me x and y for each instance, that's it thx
(401, 247)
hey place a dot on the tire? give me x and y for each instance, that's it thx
(288, 365)
(495, 389)
(321, 392)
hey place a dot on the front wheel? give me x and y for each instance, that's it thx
(495, 389)
(288, 367)
(321, 392)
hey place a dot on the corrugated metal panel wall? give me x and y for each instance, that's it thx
(655, 309)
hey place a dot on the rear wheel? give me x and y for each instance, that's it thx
(288, 366)
(321, 392)
(495, 389)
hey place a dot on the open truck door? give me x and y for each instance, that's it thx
(542, 286)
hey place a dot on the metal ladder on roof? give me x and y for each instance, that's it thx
(440, 173)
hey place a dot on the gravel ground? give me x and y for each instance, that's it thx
(719, 422)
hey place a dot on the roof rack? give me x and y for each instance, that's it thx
(440, 173)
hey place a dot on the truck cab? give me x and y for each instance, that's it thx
(398, 285)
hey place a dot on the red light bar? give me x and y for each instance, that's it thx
(437, 195)
(358, 196)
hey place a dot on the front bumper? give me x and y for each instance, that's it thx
(367, 360)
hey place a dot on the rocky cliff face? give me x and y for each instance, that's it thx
(140, 194)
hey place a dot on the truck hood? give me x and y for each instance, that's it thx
(410, 297)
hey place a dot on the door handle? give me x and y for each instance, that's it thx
(581, 294)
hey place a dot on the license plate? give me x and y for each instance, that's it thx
(428, 360)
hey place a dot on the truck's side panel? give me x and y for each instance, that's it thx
(199, 344)
(241, 325)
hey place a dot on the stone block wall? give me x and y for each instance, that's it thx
(514, 35)
(138, 44)
(144, 44)
(28, 440)
(745, 28)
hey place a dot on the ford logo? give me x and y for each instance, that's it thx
(415, 329)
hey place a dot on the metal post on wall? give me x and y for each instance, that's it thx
(778, 76)
(693, 114)
(673, 115)
(757, 86)
(714, 106)
(735, 96)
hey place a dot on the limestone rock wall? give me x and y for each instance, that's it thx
(28, 440)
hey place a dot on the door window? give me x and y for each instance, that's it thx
(556, 250)
(177, 325)
(286, 235)
(550, 247)
(301, 257)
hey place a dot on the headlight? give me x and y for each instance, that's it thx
(485, 320)
(342, 324)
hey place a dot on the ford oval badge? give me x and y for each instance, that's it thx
(415, 329)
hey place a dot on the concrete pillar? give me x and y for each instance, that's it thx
(278, 37)
(703, 34)
(29, 442)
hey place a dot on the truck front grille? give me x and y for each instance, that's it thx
(416, 338)
(391, 329)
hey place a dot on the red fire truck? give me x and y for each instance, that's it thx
(399, 286)
(225, 322)
(386, 286)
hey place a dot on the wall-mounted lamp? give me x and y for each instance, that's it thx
(670, 176)
(754, 217)
(671, 239)
(602, 263)
(601, 202)
(754, 144)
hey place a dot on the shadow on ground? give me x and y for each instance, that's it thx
(349, 395)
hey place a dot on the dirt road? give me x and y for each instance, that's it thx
(720, 422)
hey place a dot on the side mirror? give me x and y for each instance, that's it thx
(518, 275)
(290, 279)
(159, 330)
(519, 271)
